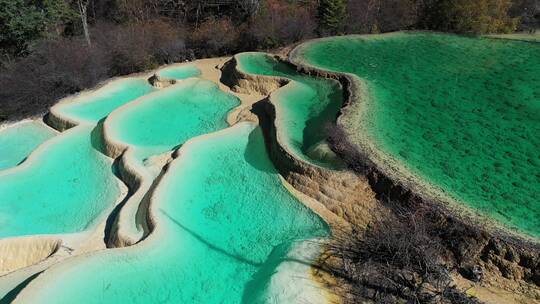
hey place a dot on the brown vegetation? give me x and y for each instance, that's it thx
(62, 66)
(60, 47)
(409, 253)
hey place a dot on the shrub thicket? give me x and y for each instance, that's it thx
(43, 38)
(476, 17)
(65, 65)
(279, 23)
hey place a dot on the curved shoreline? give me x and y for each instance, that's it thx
(130, 225)
(329, 187)
(388, 168)
(153, 217)
(133, 179)
(60, 239)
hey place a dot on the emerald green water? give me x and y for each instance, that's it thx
(96, 106)
(166, 119)
(308, 105)
(18, 141)
(463, 113)
(61, 188)
(223, 218)
(179, 72)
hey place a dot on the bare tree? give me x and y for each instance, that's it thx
(251, 7)
(83, 6)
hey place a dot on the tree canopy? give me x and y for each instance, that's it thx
(331, 16)
(476, 17)
(22, 21)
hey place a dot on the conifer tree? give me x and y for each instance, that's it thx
(331, 16)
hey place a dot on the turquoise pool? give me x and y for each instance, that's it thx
(63, 187)
(19, 140)
(305, 107)
(177, 113)
(223, 220)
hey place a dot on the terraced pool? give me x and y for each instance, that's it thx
(96, 106)
(91, 107)
(19, 140)
(179, 72)
(63, 187)
(462, 113)
(305, 107)
(165, 119)
(223, 224)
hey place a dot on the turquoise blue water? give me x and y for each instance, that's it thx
(166, 119)
(96, 106)
(223, 220)
(61, 188)
(18, 141)
(306, 107)
(179, 72)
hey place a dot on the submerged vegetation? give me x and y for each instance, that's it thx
(259, 184)
(462, 113)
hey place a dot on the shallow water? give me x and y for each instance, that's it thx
(463, 113)
(18, 141)
(179, 72)
(97, 105)
(165, 119)
(223, 220)
(61, 188)
(307, 105)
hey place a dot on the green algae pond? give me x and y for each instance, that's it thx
(223, 224)
(462, 113)
(305, 106)
(19, 140)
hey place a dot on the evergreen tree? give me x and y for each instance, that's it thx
(22, 21)
(331, 16)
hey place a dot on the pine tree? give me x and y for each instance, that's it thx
(331, 16)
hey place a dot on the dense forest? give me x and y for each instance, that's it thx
(51, 48)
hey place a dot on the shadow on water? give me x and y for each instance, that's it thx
(262, 277)
(314, 131)
(113, 215)
(10, 296)
(22, 161)
(96, 137)
(210, 245)
(255, 153)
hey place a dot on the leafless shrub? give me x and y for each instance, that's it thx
(373, 16)
(398, 258)
(215, 37)
(63, 66)
(139, 46)
(280, 23)
(56, 68)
